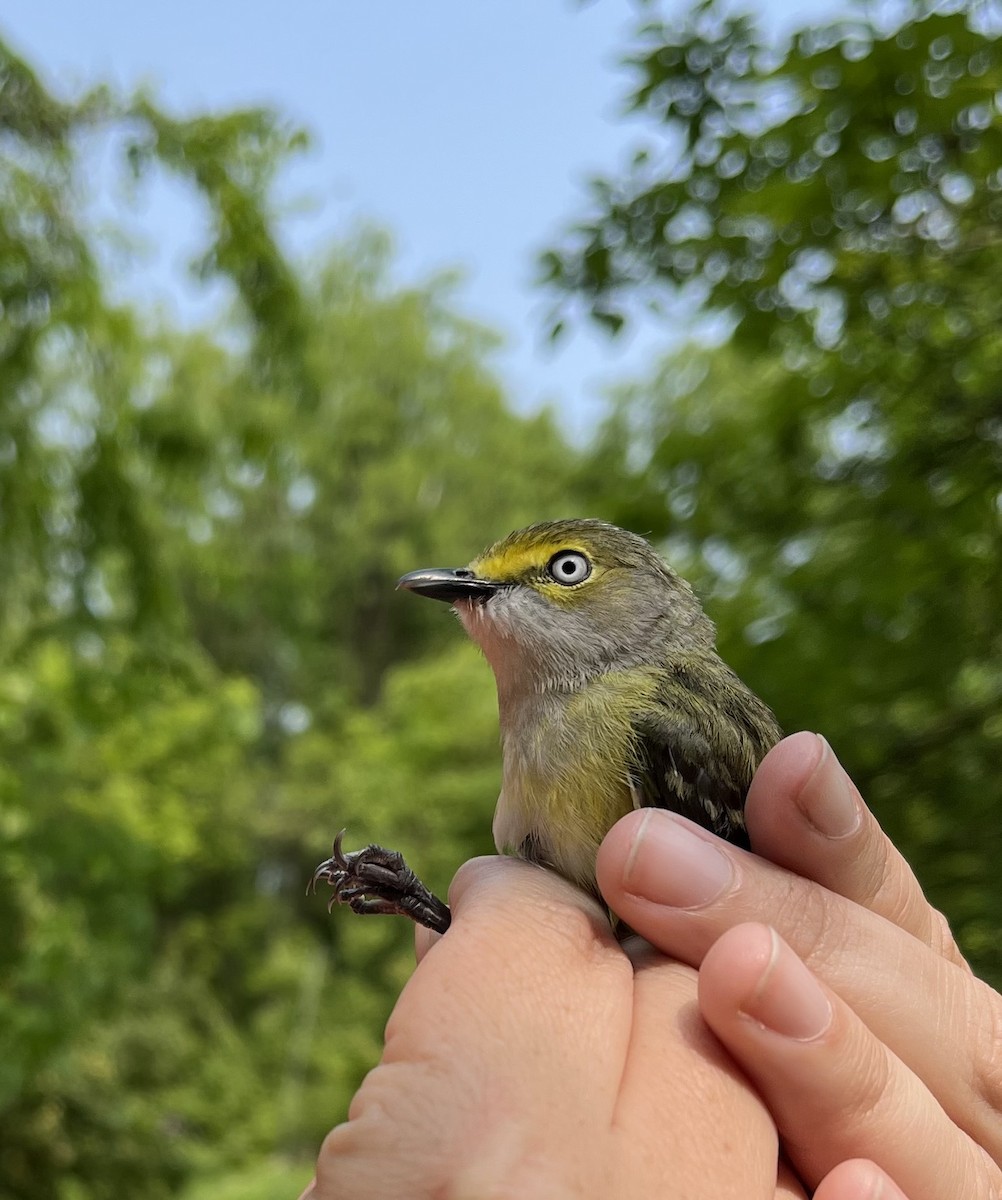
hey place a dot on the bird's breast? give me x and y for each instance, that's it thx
(566, 770)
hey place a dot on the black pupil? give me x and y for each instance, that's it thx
(569, 567)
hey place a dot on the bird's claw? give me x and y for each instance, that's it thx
(377, 880)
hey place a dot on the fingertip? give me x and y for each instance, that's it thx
(801, 794)
(828, 799)
(756, 977)
(805, 814)
(616, 850)
(858, 1179)
(472, 877)
(507, 893)
(733, 967)
(786, 768)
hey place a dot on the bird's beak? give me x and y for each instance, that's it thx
(441, 583)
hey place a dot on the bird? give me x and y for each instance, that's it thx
(611, 697)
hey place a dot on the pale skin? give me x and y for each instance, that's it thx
(814, 1002)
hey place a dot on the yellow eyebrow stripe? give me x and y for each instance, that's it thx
(514, 564)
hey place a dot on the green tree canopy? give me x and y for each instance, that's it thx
(204, 669)
(834, 474)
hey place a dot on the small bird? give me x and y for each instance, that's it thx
(611, 696)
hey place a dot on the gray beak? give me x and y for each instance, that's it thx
(441, 583)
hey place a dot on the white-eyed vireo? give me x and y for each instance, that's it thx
(611, 696)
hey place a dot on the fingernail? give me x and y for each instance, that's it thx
(788, 999)
(882, 1187)
(671, 863)
(829, 799)
(869, 1182)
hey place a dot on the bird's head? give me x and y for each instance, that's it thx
(560, 602)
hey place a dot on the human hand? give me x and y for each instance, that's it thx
(529, 1056)
(884, 1047)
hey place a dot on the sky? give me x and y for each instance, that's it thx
(466, 128)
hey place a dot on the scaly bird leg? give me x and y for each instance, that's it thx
(376, 880)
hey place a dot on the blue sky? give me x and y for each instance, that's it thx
(465, 127)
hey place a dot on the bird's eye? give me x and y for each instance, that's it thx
(569, 567)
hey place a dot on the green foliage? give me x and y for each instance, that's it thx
(814, 185)
(204, 669)
(832, 477)
(272, 1181)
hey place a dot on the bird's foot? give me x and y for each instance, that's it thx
(376, 880)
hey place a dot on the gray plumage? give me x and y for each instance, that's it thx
(611, 694)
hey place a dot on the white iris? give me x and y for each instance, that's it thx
(569, 567)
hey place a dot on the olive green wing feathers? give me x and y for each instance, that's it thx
(697, 748)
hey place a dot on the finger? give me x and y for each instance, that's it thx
(505, 1077)
(805, 813)
(424, 939)
(681, 888)
(655, 1113)
(858, 1179)
(539, 944)
(835, 1091)
(546, 1015)
(788, 1185)
(631, 1043)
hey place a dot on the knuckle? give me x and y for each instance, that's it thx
(885, 885)
(876, 883)
(871, 1084)
(988, 1062)
(337, 1143)
(814, 922)
(533, 1180)
(941, 940)
(987, 1176)
(368, 1101)
(860, 1096)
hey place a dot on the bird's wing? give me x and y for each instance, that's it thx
(696, 749)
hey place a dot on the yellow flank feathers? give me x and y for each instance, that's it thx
(566, 788)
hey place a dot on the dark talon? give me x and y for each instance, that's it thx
(335, 865)
(337, 854)
(376, 880)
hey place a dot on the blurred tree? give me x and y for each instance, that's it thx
(834, 475)
(204, 670)
(203, 667)
(307, 517)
